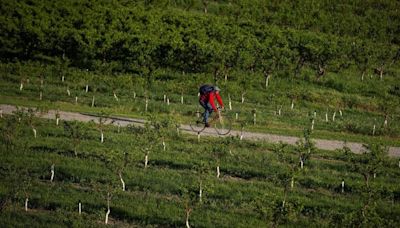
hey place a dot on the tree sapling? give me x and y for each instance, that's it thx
(52, 173)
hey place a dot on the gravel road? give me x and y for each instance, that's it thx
(320, 143)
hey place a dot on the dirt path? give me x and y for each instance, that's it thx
(320, 143)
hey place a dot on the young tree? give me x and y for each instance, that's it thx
(383, 56)
(291, 168)
(190, 202)
(305, 148)
(219, 152)
(109, 197)
(8, 132)
(369, 162)
(360, 53)
(31, 121)
(76, 132)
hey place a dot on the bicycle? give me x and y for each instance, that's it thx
(222, 123)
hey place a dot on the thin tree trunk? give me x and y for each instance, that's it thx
(230, 102)
(76, 100)
(292, 183)
(333, 116)
(301, 163)
(254, 118)
(168, 101)
(101, 136)
(243, 97)
(205, 4)
(236, 116)
(200, 192)
(164, 145)
(107, 214)
(68, 92)
(342, 186)
(366, 178)
(34, 132)
(40, 95)
(218, 173)
(146, 160)
(80, 207)
(187, 217)
(52, 173)
(57, 121)
(93, 101)
(122, 181)
(292, 105)
(266, 81)
(326, 117)
(385, 123)
(115, 96)
(147, 104)
(373, 130)
(26, 203)
(312, 124)
(198, 136)
(87, 88)
(181, 99)
(108, 207)
(284, 198)
(21, 86)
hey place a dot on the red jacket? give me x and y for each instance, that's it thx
(209, 97)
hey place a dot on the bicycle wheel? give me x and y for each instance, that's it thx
(223, 125)
(197, 125)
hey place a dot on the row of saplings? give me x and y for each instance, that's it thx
(367, 164)
(375, 129)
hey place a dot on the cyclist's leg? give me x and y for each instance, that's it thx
(208, 112)
(205, 113)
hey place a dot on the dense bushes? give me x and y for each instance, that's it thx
(133, 36)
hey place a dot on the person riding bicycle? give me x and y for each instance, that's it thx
(207, 95)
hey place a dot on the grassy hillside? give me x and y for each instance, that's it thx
(351, 106)
(254, 187)
(312, 69)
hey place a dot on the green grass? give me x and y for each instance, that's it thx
(248, 193)
(359, 102)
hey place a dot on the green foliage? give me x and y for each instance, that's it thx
(9, 132)
(76, 132)
(141, 37)
(370, 162)
(253, 189)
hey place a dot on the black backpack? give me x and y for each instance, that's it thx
(204, 89)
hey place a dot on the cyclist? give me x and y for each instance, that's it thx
(207, 95)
